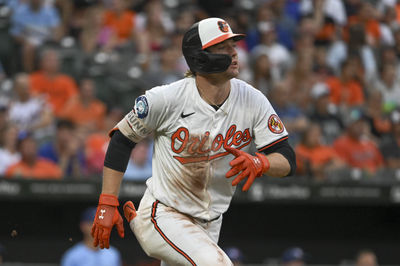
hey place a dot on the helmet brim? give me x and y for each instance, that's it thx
(236, 37)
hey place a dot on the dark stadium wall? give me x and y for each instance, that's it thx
(40, 231)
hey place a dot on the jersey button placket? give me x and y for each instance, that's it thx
(214, 121)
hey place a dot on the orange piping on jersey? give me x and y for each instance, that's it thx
(185, 160)
(273, 143)
(111, 132)
(153, 220)
(115, 128)
(129, 125)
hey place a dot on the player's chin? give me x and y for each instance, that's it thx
(233, 71)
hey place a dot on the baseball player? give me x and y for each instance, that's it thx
(203, 126)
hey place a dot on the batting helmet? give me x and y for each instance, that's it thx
(202, 35)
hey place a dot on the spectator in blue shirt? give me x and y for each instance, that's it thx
(139, 166)
(294, 256)
(32, 24)
(66, 150)
(295, 120)
(235, 254)
(84, 254)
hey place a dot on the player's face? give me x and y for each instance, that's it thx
(227, 47)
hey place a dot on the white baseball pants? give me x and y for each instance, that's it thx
(176, 238)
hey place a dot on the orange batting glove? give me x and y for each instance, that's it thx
(129, 211)
(250, 167)
(107, 215)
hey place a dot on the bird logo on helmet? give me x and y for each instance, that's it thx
(223, 26)
(202, 35)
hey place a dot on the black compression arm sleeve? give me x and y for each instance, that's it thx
(118, 152)
(286, 150)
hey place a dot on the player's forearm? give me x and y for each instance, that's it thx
(111, 181)
(279, 165)
(115, 163)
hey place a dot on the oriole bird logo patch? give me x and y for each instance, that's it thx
(275, 125)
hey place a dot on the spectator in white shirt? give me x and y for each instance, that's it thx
(389, 86)
(279, 56)
(9, 154)
(30, 113)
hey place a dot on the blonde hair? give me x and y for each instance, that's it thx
(190, 73)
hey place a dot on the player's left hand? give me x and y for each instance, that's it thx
(250, 167)
(107, 215)
(129, 211)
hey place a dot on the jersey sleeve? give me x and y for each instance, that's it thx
(145, 117)
(268, 127)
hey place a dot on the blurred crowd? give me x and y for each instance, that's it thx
(70, 70)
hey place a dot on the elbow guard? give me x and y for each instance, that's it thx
(118, 152)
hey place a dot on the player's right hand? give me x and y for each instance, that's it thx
(107, 215)
(246, 166)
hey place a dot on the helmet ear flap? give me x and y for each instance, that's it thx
(219, 61)
(202, 58)
(205, 62)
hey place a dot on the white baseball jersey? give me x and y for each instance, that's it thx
(189, 159)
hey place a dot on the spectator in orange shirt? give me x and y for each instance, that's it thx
(346, 90)
(120, 20)
(355, 147)
(96, 143)
(85, 110)
(397, 8)
(313, 157)
(57, 87)
(367, 17)
(95, 36)
(95, 152)
(30, 165)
